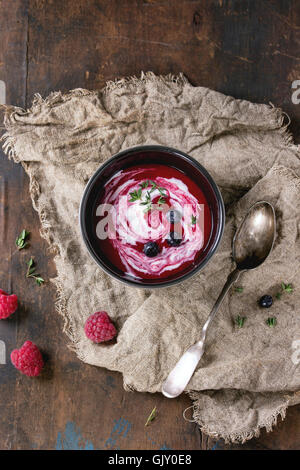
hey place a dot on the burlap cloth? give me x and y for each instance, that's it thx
(248, 376)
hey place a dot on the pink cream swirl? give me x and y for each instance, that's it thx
(133, 226)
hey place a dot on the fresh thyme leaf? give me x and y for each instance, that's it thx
(162, 191)
(240, 321)
(21, 240)
(194, 219)
(287, 287)
(153, 186)
(144, 184)
(271, 321)
(147, 202)
(239, 289)
(31, 272)
(135, 195)
(151, 417)
(161, 200)
(284, 288)
(39, 280)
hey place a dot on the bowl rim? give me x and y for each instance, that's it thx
(162, 283)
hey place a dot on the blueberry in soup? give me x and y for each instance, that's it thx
(174, 239)
(156, 221)
(151, 249)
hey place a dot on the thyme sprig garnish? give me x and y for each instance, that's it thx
(288, 288)
(194, 219)
(162, 191)
(151, 417)
(31, 272)
(271, 321)
(21, 241)
(161, 200)
(135, 195)
(148, 201)
(153, 186)
(144, 184)
(240, 321)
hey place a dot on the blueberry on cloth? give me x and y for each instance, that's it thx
(173, 216)
(151, 249)
(266, 301)
(174, 239)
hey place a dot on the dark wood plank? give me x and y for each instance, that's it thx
(13, 33)
(246, 50)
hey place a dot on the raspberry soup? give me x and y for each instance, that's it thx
(160, 219)
(152, 216)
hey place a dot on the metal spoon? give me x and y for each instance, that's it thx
(252, 244)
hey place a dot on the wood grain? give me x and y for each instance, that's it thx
(246, 49)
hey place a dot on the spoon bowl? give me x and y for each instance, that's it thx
(253, 241)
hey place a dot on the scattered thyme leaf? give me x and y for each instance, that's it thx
(31, 272)
(284, 288)
(39, 280)
(194, 219)
(239, 289)
(287, 287)
(151, 417)
(135, 195)
(21, 240)
(271, 321)
(240, 321)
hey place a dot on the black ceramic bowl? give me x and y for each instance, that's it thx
(152, 154)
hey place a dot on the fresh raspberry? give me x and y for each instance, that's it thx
(8, 304)
(99, 328)
(28, 359)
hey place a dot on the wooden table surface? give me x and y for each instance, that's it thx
(248, 49)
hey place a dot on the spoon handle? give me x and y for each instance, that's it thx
(232, 278)
(181, 374)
